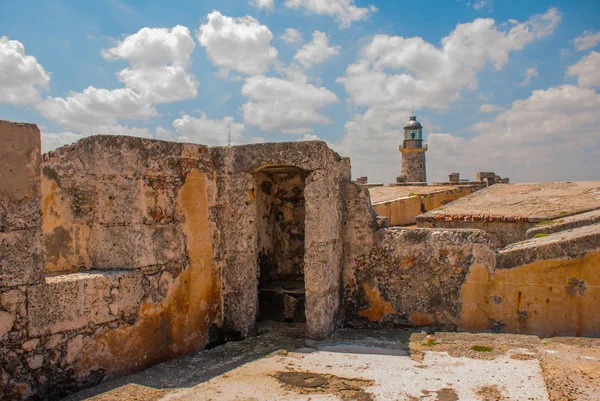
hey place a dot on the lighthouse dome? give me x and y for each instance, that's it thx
(413, 123)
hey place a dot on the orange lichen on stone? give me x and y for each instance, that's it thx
(420, 319)
(180, 323)
(379, 307)
(66, 242)
(546, 297)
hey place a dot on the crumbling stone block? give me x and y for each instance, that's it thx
(21, 252)
(73, 301)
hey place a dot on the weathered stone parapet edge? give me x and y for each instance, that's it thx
(567, 223)
(571, 244)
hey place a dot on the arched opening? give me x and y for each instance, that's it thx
(280, 226)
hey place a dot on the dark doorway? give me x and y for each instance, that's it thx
(280, 231)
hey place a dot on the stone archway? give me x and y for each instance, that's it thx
(280, 229)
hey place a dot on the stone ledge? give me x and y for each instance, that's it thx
(72, 301)
(566, 223)
(570, 244)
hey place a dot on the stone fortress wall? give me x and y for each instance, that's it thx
(118, 253)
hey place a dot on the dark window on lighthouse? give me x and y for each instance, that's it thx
(412, 135)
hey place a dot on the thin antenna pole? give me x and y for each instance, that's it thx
(229, 135)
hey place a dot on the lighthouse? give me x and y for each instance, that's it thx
(413, 154)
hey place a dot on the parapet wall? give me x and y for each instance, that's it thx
(457, 280)
(151, 252)
(132, 276)
(404, 211)
(547, 286)
(413, 277)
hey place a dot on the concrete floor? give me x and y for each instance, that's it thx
(371, 366)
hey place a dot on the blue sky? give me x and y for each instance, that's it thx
(503, 86)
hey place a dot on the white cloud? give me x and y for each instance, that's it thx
(289, 106)
(587, 40)
(291, 36)
(530, 73)
(158, 58)
(268, 4)
(479, 5)
(428, 76)
(309, 137)
(532, 141)
(96, 106)
(587, 70)
(240, 44)
(206, 131)
(345, 11)
(51, 141)
(21, 75)
(160, 85)
(316, 51)
(489, 108)
(393, 74)
(154, 47)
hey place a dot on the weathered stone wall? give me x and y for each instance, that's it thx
(133, 274)
(455, 279)
(413, 164)
(403, 211)
(413, 277)
(21, 255)
(546, 286)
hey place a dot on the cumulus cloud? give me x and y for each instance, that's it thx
(345, 11)
(532, 141)
(530, 73)
(393, 74)
(205, 131)
(410, 71)
(52, 140)
(21, 76)
(489, 108)
(96, 106)
(268, 4)
(316, 51)
(161, 85)
(158, 58)
(587, 70)
(587, 40)
(154, 47)
(291, 36)
(240, 44)
(288, 106)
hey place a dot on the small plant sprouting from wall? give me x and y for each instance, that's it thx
(546, 222)
(429, 341)
(481, 348)
(540, 235)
